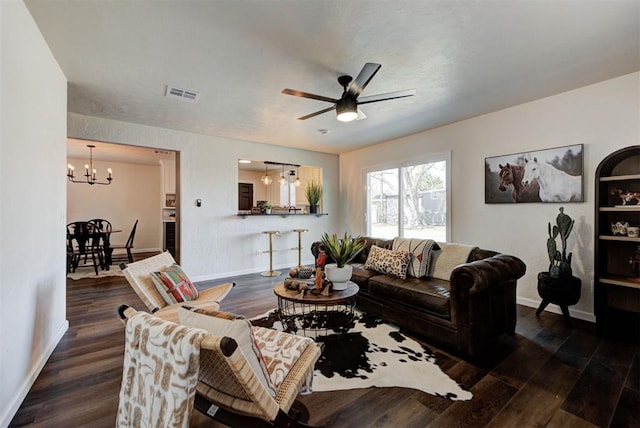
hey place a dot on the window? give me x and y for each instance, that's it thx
(409, 200)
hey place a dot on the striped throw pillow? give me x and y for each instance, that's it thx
(174, 285)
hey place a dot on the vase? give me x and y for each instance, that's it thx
(267, 210)
(313, 209)
(339, 277)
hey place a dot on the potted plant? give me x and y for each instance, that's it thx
(558, 285)
(267, 207)
(313, 193)
(342, 250)
(560, 262)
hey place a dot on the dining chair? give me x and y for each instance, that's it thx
(105, 229)
(83, 240)
(128, 247)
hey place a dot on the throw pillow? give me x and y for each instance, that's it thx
(234, 326)
(388, 261)
(420, 250)
(448, 258)
(174, 285)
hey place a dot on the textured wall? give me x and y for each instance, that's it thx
(32, 204)
(215, 242)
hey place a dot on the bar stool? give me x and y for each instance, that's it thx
(299, 248)
(271, 272)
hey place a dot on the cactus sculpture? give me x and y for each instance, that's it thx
(560, 262)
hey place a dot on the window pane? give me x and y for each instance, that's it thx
(383, 203)
(424, 203)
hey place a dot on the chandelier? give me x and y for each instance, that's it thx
(90, 172)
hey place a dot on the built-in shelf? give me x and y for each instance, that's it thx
(621, 208)
(618, 238)
(621, 177)
(281, 215)
(617, 285)
(623, 281)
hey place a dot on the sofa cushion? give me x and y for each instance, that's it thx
(370, 242)
(420, 250)
(388, 261)
(429, 295)
(361, 276)
(448, 257)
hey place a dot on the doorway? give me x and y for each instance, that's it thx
(144, 187)
(245, 196)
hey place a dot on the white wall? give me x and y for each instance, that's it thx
(214, 241)
(32, 213)
(134, 193)
(604, 117)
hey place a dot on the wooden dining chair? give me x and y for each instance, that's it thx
(83, 240)
(105, 229)
(128, 247)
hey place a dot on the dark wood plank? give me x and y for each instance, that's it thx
(627, 413)
(490, 395)
(595, 394)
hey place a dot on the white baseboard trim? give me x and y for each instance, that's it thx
(284, 268)
(575, 313)
(24, 389)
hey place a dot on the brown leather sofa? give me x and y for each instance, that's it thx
(467, 312)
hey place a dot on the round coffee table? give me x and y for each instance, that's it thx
(315, 315)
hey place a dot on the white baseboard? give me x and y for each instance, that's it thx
(284, 268)
(575, 313)
(24, 389)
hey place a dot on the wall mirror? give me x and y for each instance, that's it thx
(280, 184)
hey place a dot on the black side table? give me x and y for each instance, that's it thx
(560, 291)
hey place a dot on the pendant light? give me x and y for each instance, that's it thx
(266, 180)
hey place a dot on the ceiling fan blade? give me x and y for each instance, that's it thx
(366, 74)
(308, 95)
(387, 96)
(317, 113)
(361, 115)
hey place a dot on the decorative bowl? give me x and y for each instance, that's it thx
(305, 272)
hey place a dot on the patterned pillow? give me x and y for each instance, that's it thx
(174, 285)
(388, 261)
(421, 251)
(234, 326)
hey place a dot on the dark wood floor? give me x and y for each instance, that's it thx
(548, 374)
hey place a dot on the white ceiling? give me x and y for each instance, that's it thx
(464, 58)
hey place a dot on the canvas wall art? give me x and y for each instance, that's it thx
(549, 175)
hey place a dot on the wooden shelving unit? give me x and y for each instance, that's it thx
(617, 289)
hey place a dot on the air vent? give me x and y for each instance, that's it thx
(183, 94)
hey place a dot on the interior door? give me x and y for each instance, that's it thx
(245, 196)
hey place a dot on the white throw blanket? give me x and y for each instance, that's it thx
(448, 257)
(160, 373)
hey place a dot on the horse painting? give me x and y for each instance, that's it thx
(512, 175)
(555, 185)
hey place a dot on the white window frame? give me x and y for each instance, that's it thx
(431, 158)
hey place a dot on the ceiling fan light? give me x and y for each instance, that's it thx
(347, 110)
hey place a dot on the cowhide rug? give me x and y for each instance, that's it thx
(375, 353)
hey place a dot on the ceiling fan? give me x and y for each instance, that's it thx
(346, 107)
